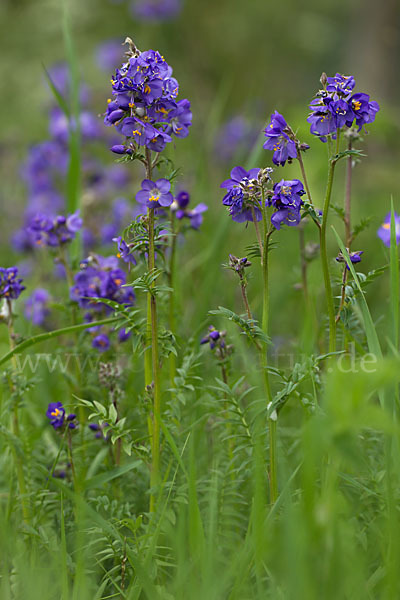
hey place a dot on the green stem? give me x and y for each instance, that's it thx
(303, 173)
(244, 296)
(303, 264)
(152, 325)
(324, 259)
(15, 423)
(171, 281)
(264, 359)
(347, 198)
(258, 235)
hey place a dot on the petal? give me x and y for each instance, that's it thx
(142, 197)
(166, 199)
(238, 173)
(164, 185)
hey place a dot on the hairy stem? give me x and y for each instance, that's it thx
(264, 360)
(324, 259)
(171, 282)
(258, 235)
(244, 296)
(15, 421)
(303, 173)
(153, 330)
(303, 263)
(347, 198)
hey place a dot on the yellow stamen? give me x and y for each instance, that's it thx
(356, 105)
(147, 89)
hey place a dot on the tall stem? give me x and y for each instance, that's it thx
(152, 328)
(264, 359)
(15, 421)
(244, 296)
(347, 198)
(303, 263)
(303, 173)
(171, 281)
(258, 235)
(324, 259)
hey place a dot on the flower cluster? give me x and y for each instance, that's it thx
(181, 210)
(56, 413)
(37, 306)
(10, 284)
(144, 107)
(286, 199)
(45, 169)
(243, 196)
(100, 277)
(280, 139)
(336, 106)
(46, 231)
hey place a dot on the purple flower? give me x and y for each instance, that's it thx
(180, 119)
(100, 277)
(36, 306)
(278, 140)
(321, 118)
(243, 195)
(384, 230)
(120, 149)
(10, 285)
(55, 231)
(101, 342)
(124, 335)
(287, 200)
(124, 251)
(143, 107)
(364, 110)
(156, 10)
(155, 194)
(108, 54)
(335, 107)
(183, 199)
(355, 257)
(181, 210)
(56, 413)
(236, 135)
(340, 84)
(213, 337)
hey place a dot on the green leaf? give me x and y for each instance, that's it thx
(249, 327)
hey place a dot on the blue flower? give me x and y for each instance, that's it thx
(155, 194)
(287, 200)
(278, 140)
(56, 413)
(243, 195)
(10, 285)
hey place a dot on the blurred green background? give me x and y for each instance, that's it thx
(230, 58)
